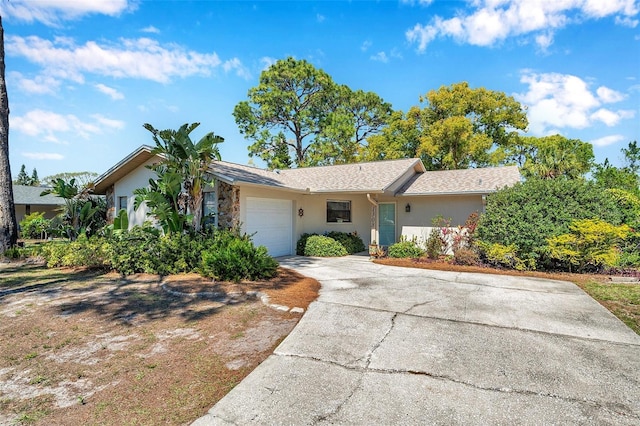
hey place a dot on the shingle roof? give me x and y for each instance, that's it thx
(31, 195)
(473, 181)
(359, 177)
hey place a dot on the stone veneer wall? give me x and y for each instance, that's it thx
(111, 204)
(228, 205)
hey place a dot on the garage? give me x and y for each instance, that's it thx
(271, 222)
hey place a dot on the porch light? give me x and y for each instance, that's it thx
(408, 208)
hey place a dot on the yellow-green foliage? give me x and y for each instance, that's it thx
(590, 243)
(506, 256)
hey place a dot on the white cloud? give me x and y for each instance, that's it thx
(49, 125)
(236, 64)
(150, 29)
(607, 95)
(384, 57)
(109, 91)
(43, 156)
(320, 18)
(52, 12)
(108, 122)
(420, 2)
(380, 57)
(607, 140)
(39, 85)
(557, 101)
(366, 45)
(142, 58)
(492, 21)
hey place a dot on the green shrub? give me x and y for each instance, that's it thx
(590, 245)
(466, 257)
(302, 243)
(350, 241)
(321, 246)
(405, 249)
(136, 250)
(434, 244)
(88, 252)
(233, 258)
(499, 255)
(526, 215)
(34, 225)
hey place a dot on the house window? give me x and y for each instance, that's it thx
(122, 203)
(209, 208)
(338, 211)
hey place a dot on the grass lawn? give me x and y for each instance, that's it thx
(623, 300)
(88, 348)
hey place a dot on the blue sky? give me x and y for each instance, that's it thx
(83, 76)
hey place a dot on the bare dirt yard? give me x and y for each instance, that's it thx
(88, 348)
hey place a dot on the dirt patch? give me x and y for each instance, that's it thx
(80, 347)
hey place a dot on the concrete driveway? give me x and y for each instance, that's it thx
(386, 345)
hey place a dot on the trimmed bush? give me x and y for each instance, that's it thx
(590, 246)
(351, 242)
(499, 255)
(405, 249)
(235, 258)
(302, 243)
(321, 246)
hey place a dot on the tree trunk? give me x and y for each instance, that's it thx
(8, 225)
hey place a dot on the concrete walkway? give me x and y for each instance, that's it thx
(385, 345)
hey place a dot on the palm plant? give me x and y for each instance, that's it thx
(186, 163)
(77, 207)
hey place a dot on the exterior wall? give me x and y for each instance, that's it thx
(48, 210)
(314, 218)
(139, 178)
(418, 222)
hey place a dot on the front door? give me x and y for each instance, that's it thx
(387, 223)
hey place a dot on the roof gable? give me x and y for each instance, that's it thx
(378, 176)
(469, 181)
(23, 195)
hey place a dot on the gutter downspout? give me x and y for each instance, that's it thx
(374, 219)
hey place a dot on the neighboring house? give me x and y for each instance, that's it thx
(379, 200)
(27, 200)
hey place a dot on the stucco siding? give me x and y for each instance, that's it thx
(419, 221)
(139, 178)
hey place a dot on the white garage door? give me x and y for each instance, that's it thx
(271, 220)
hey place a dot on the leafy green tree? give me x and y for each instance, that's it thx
(459, 127)
(322, 122)
(529, 213)
(8, 223)
(82, 179)
(632, 157)
(555, 156)
(355, 117)
(185, 165)
(399, 139)
(610, 177)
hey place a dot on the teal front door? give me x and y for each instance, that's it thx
(387, 223)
